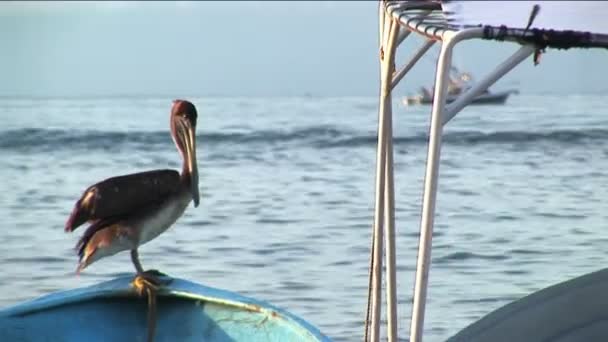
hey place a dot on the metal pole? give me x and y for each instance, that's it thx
(381, 18)
(502, 69)
(377, 248)
(403, 34)
(403, 71)
(389, 188)
(379, 220)
(389, 234)
(430, 190)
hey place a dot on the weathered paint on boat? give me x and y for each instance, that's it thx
(112, 311)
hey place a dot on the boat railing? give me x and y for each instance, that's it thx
(449, 23)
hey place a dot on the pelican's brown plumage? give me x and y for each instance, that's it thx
(127, 211)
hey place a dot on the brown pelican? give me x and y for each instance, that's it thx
(127, 211)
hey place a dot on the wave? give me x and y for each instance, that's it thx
(317, 136)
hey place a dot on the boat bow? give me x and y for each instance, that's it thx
(187, 311)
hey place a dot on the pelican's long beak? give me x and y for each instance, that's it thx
(189, 139)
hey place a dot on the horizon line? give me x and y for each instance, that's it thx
(304, 95)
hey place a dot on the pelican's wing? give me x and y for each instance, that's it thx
(123, 195)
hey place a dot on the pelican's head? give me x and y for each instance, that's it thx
(183, 130)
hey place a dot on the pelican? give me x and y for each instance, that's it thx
(127, 211)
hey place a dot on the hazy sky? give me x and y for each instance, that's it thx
(235, 48)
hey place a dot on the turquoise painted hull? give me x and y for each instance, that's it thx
(112, 311)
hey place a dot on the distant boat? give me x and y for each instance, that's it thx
(458, 83)
(186, 311)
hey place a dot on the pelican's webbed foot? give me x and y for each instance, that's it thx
(148, 283)
(151, 280)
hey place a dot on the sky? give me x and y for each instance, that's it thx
(122, 48)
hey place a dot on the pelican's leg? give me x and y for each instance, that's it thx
(150, 278)
(147, 283)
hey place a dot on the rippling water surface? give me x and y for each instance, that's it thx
(287, 199)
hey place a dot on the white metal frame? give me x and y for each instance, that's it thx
(440, 115)
(393, 31)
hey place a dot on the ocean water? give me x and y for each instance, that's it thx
(287, 199)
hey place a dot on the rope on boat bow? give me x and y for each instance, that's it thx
(151, 294)
(368, 314)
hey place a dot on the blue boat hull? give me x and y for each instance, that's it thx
(111, 311)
